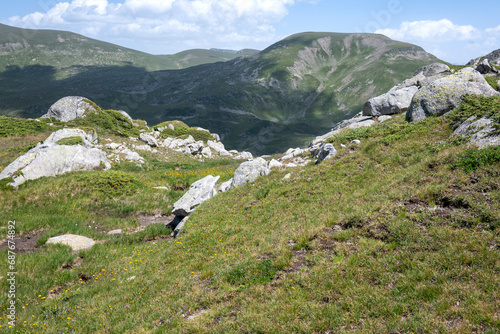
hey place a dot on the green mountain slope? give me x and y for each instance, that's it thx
(301, 85)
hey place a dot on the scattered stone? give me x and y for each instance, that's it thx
(249, 172)
(443, 95)
(143, 148)
(275, 164)
(199, 192)
(287, 177)
(149, 139)
(219, 148)
(70, 107)
(113, 146)
(115, 232)
(326, 151)
(383, 118)
(355, 142)
(243, 156)
(161, 188)
(76, 242)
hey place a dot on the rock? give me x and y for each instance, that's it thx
(148, 139)
(432, 69)
(124, 113)
(219, 148)
(161, 188)
(89, 138)
(76, 242)
(243, 156)
(249, 171)
(291, 165)
(112, 146)
(179, 227)
(70, 107)
(132, 156)
(275, 164)
(326, 151)
(216, 137)
(171, 126)
(225, 186)
(445, 94)
(287, 177)
(206, 152)
(384, 118)
(143, 148)
(484, 67)
(52, 160)
(480, 132)
(199, 192)
(393, 102)
(115, 232)
(355, 142)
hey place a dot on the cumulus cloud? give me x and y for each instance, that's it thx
(175, 24)
(447, 40)
(442, 30)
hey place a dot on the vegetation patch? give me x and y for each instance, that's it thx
(479, 106)
(110, 183)
(107, 122)
(472, 159)
(12, 126)
(182, 130)
(76, 140)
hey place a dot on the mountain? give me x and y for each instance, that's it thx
(301, 85)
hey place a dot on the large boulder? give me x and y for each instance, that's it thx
(445, 94)
(219, 148)
(249, 171)
(432, 70)
(70, 107)
(393, 102)
(52, 160)
(199, 192)
(89, 138)
(480, 131)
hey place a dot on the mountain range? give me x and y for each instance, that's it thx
(257, 101)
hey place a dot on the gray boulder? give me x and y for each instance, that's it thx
(52, 160)
(199, 192)
(76, 242)
(219, 148)
(432, 69)
(70, 107)
(124, 113)
(89, 138)
(148, 139)
(445, 94)
(326, 151)
(479, 130)
(225, 186)
(393, 102)
(249, 171)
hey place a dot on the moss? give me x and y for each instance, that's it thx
(76, 140)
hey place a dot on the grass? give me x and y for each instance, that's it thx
(392, 236)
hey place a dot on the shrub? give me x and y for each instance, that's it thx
(110, 183)
(108, 122)
(473, 159)
(11, 126)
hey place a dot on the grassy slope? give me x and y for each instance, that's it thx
(418, 249)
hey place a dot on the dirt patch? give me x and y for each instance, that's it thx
(24, 242)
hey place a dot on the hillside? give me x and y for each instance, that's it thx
(302, 85)
(398, 234)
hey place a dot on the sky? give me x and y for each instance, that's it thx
(454, 31)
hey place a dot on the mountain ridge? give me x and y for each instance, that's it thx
(302, 84)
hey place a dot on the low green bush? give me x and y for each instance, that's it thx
(110, 183)
(76, 140)
(473, 159)
(12, 126)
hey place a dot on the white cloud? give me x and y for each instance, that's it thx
(442, 30)
(175, 24)
(447, 40)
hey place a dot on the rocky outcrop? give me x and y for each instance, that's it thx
(199, 192)
(70, 107)
(249, 171)
(51, 160)
(148, 139)
(492, 58)
(76, 242)
(89, 138)
(481, 132)
(445, 94)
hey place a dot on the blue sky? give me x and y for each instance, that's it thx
(454, 31)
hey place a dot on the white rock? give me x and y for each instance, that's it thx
(76, 242)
